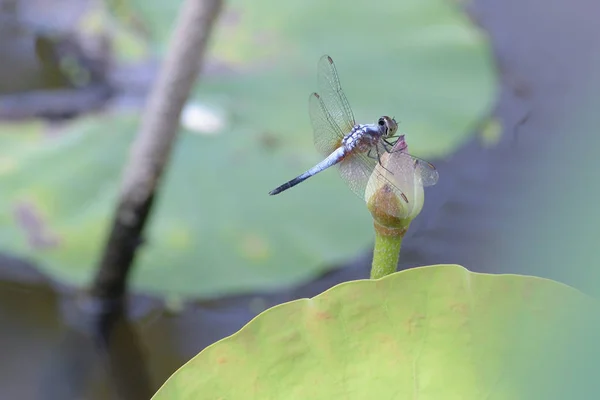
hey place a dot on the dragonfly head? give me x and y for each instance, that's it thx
(387, 126)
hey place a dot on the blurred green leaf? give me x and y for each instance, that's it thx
(215, 230)
(438, 332)
(422, 61)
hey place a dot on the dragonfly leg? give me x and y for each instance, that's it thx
(401, 137)
(388, 141)
(371, 155)
(379, 160)
(388, 146)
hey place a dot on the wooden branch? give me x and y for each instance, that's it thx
(151, 150)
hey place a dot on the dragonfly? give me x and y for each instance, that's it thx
(357, 148)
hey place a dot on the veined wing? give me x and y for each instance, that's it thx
(356, 170)
(364, 176)
(327, 134)
(424, 170)
(359, 172)
(427, 172)
(333, 96)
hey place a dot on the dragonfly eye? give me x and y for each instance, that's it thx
(381, 122)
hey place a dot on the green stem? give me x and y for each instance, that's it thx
(386, 252)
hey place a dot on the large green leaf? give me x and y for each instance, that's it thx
(438, 332)
(422, 61)
(215, 230)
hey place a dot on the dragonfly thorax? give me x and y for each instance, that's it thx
(362, 137)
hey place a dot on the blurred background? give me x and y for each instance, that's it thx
(501, 96)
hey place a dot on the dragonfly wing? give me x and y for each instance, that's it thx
(327, 135)
(362, 174)
(356, 170)
(333, 96)
(425, 171)
(365, 175)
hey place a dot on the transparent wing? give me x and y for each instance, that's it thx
(361, 175)
(333, 97)
(425, 171)
(327, 135)
(356, 171)
(364, 175)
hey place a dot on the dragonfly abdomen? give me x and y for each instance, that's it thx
(334, 158)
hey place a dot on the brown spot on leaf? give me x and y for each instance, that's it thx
(414, 323)
(222, 360)
(322, 315)
(528, 290)
(269, 141)
(38, 234)
(255, 247)
(460, 308)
